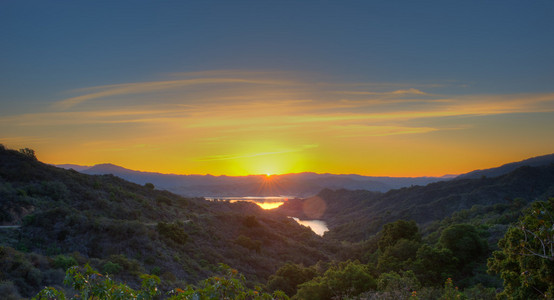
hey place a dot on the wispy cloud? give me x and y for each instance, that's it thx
(255, 154)
(409, 91)
(219, 115)
(138, 88)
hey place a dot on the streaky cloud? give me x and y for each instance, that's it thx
(239, 156)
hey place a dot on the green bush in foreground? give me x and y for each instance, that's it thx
(92, 285)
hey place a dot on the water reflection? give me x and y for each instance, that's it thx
(264, 205)
(317, 226)
(317, 208)
(263, 202)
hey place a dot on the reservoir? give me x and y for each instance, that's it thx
(263, 202)
(317, 226)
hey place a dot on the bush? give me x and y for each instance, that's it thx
(9, 291)
(288, 277)
(64, 262)
(248, 243)
(347, 279)
(111, 268)
(173, 231)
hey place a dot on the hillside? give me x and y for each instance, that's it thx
(117, 225)
(357, 215)
(507, 168)
(380, 245)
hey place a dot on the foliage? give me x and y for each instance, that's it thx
(111, 268)
(398, 256)
(248, 243)
(433, 265)
(345, 279)
(30, 153)
(289, 276)
(64, 262)
(394, 232)
(400, 285)
(92, 285)
(525, 260)
(173, 231)
(451, 292)
(464, 242)
(229, 285)
(8, 290)
(49, 293)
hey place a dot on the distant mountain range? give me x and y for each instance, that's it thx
(295, 185)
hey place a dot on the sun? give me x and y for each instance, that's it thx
(267, 175)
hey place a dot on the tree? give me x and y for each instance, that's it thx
(464, 242)
(28, 152)
(434, 265)
(401, 229)
(525, 260)
(346, 279)
(289, 276)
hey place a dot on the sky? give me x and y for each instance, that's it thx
(382, 88)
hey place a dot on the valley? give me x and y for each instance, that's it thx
(54, 218)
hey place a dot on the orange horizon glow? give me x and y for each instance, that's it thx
(239, 123)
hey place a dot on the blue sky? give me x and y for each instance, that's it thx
(462, 52)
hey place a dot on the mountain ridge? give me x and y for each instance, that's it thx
(508, 167)
(303, 184)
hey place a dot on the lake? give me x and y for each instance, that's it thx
(317, 226)
(263, 202)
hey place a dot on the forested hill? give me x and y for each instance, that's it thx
(507, 168)
(357, 215)
(127, 229)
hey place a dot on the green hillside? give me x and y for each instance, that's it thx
(127, 229)
(450, 240)
(357, 215)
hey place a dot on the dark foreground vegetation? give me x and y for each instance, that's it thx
(67, 234)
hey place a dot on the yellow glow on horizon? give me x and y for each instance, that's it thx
(242, 123)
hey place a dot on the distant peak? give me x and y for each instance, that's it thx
(106, 168)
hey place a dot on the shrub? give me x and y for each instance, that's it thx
(248, 243)
(64, 262)
(173, 231)
(111, 268)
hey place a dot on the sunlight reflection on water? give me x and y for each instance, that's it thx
(263, 202)
(317, 226)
